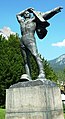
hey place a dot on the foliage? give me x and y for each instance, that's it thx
(64, 107)
(12, 65)
(49, 73)
(61, 76)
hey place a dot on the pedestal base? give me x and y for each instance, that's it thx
(34, 100)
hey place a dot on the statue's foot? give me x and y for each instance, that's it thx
(25, 77)
(42, 77)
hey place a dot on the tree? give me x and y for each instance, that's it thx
(11, 64)
(49, 72)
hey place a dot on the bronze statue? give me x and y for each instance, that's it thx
(31, 21)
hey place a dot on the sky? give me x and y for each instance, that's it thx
(53, 45)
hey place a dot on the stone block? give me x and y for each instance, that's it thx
(34, 100)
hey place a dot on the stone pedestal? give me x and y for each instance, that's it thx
(33, 100)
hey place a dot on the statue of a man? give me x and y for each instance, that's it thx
(31, 21)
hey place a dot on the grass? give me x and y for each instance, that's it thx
(64, 115)
(2, 113)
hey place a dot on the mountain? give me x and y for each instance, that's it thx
(58, 64)
(3, 35)
(6, 32)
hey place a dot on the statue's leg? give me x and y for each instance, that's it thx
(28, 60)
(33, 49)
(40, 65)
(25, 58)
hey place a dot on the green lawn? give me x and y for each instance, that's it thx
(64, 115)
(2, 113)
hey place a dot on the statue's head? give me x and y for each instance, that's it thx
(27, 14)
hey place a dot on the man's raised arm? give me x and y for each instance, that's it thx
(20, 14)
(51, 13)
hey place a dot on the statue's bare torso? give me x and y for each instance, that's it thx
(28, 27)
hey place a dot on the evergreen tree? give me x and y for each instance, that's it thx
(49, 72)
(11, 64)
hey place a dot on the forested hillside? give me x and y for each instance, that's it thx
(12, 65)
